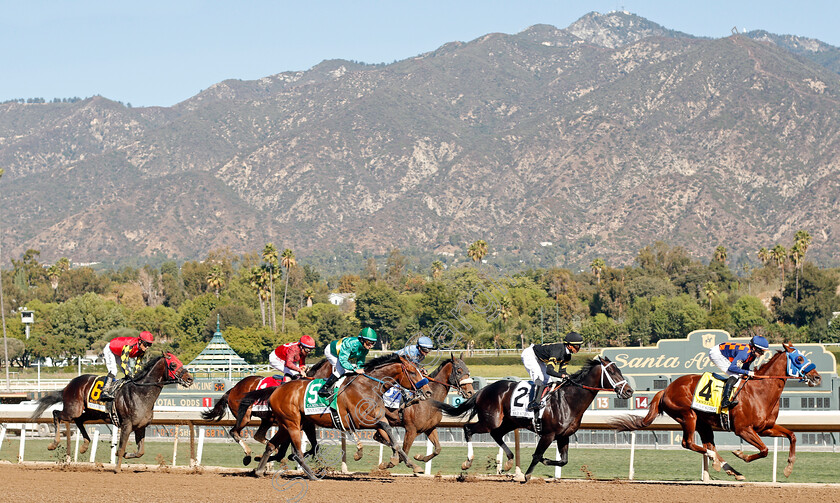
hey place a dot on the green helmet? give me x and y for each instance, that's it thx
(368, 334)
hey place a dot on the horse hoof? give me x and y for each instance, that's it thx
(527, 478)
(788, 470)
(508, 465)
(466, 465)
(52, 446)
(740, 477)
(246, 460)
(383, 466)
(417, 470)
(357, 456)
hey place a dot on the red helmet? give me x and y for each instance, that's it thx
(307, 342)
(147, 337)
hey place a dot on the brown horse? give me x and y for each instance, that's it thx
(359, 402)
(423, 417)
(565, 406)
(134, 403)
(230, 401)
(755, 415)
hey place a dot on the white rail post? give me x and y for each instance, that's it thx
(93, 445)
(381, 448)
(344, 453)
(175, 445)
(632, 473)
(78, 439)
(2, 434)
(22, 442)
(200, 445)
(430, 448)
(115, 435)
(775, 456)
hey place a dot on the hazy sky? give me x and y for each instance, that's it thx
(162, 52)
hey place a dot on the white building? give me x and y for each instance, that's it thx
(340, 298)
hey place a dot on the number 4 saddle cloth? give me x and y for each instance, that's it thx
(709, 393)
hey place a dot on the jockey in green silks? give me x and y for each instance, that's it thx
(347, 355)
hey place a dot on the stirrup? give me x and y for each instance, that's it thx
(535, 405)
(106, 396)
(325, 392)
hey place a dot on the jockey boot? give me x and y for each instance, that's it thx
(326, 389)
(108, 392)
(727, 392)
(536, 397)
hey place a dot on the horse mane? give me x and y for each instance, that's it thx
(313, 369)
(382, 360)
(584, 371)
(440, 367)
(770, 360)
(147, 367)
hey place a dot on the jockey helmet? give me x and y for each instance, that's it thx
(760, 343)
(368, 334)
(425, 343)
(147, 337)
(573, 338)
(307, 342)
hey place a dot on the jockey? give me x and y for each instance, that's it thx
(126, 348)
(536, 356)
(290, 359)
(347, 355)
(416, 353)
(734, 359)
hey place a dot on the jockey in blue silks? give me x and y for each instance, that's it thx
(734, 360)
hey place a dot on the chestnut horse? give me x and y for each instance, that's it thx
(134, 403)
(230, 401)
(754, 416)
(561, 419)
(359, 401)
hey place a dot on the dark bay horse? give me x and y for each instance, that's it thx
(754, 416)
(134, 403)
(359, 401)
(564, 409)
(230, 401)
(424, 417)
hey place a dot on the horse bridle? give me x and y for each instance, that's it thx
(615, 384)
(455, 383)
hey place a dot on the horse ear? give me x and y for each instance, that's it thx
(788, 346)
(451, 356)
(461, 356)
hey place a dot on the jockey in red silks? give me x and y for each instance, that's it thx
(734, 359)
(126, 348)
(290, 359)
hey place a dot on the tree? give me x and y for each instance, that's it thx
(395, 268)
(437, 269)
(308, 294)
(477, 251)
(749, 312)
(710, 291)
(53, 273)
(258, 281)
(216, 278)
(288, 261)
(269, 256)
(720, 254)
(598, 267)
(378, 307)
(779, 256)
(801, 242)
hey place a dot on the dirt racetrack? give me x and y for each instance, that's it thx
(54, 483)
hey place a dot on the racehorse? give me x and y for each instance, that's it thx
(423, 417)
(359, 404)
(560, 420)
(230, 400)
(754, 416)
(134, 402)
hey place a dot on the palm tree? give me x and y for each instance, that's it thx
(477, 250)
(308, 294)
(747, 268)
(216, 278)
(779, 256)
(764, 256)
(437, 269)
(598, 267)
(53, 273)
(288, 261)
(801, 242)
(710, 291)
(720, 254)
(269, 255)
(256, 280)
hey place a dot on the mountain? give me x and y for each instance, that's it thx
(600, 138)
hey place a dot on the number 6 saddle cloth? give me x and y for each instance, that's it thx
(709, 393)
(94, 398)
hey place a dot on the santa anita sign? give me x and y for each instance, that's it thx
(674, 357)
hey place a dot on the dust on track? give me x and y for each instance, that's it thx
(52, 482)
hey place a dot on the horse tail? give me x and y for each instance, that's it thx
(47, 401)
(219, 410)
(630, 422)
(467, 405)
(251, 397)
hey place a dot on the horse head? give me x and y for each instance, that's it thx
(798, 365)
(412, 379)
(612, 375)
(459, 377)
(176, 371)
